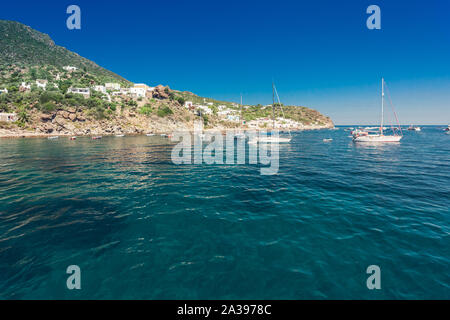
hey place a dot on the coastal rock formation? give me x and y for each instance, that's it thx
(161, 92)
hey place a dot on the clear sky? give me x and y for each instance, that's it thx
(319, 53)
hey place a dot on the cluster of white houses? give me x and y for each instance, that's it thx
(233, 115)
(223, 112)
(139, 90)
(279, 123)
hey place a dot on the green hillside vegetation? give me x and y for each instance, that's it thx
(22, 48)
(27, 55)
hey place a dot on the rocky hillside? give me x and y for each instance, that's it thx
(25, 47)
(30, 57)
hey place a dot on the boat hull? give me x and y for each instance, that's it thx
(271, 140)
(377, 138)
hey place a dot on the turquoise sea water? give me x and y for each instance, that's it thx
(140, 227)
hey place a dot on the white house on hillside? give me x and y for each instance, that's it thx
(70, 68)
(112, 86)
(86, 92)
(101, 89)
(205, 109)
(24, 87)
(138, 92)
(41, 83)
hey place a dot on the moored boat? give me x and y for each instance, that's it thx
(270, 138)
(413, 128)
(378, 136)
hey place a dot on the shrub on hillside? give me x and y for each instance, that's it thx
(164, 111)
(147, 109)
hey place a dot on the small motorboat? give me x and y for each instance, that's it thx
(119, 135)
(413, 128)
(448, 128)
(73, 138)
(164, 135)
(96, 138)
(53, 138)
(150, 134)
(327, 140)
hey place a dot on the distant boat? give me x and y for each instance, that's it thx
(413, 128)
(73, 138)
(270, 138)
(378, 136)
(53, 138)
(327, 140)
(120, 135)
(96, 138)
(164, 135)
(448, 128)
(240, 135)
(150, 134)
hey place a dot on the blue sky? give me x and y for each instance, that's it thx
(320, 53)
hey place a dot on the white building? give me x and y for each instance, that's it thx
(225, 113)
(112, 86)
(25, 87)
(125, 91)
(233, 118)
(86, 92)
(70, 68)
(41, 83)
(138, 92)
(101, 89)
(205, 109)
(8, 117)
(188, 104)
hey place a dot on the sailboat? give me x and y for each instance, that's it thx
(367, 136)
(240, 134)
(270, 138)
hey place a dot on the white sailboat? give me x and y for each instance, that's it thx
(366, 136)
(270, 138)
(240, 133)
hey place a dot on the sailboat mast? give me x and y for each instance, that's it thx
(273, 105)
(382, 105)
(240, 117)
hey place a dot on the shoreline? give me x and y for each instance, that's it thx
(31, 135)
